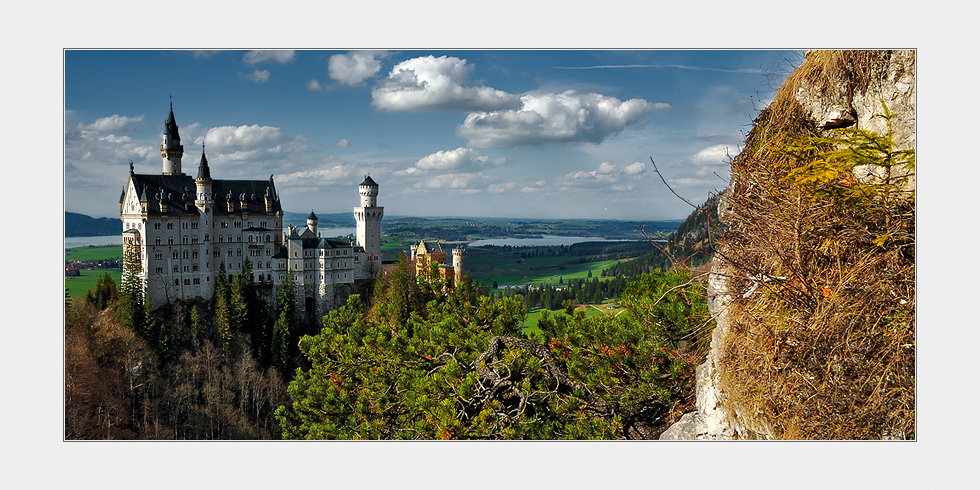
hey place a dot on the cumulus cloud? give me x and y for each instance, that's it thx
(568, 117)
(437, 84)
(255, 148)
(712, 155)
(314, 85)
(459, 182)
(354, 67)
(343, 143)
(257, 76)
(635, 168)
(320, 176)
(114, 122)
(458, 158)
(262, 56)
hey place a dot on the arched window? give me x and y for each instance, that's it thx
(186, 254)
(250, 239)
(158, 255)
(176, 254)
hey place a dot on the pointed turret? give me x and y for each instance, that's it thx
(204, 199)
(171, 150)
(311, 222)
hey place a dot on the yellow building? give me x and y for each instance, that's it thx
(424, 255)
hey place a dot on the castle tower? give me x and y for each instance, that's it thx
(311, 222)
(171, 150)
(204, 199)
(368, 216)
(458, 254)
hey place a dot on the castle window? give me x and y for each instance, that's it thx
(184, 240)
(158, 270)
(229, 252)
(158, 241)
(268, 252)
(187, 282)
(239, 252)
(185, 226)
(170, 240)
(238, 224)
(207, 237)
(170, 226)
(194, 254)
(221, 239)
(250, 239)
(176, 282)
(176, 254)
(176, 269)
(194, 240)
(217, 253)
(186, 254)
(158, 255)
(224, 224)
(197, 280)
(156, 226)
(195, 267)
(193, 226)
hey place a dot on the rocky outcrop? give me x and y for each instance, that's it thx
(833, 95)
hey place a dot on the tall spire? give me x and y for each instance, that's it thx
(171, 150)
(203, 170)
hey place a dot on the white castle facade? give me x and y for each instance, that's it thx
(184, 229)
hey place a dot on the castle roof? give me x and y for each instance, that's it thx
(176, 192)
(170, 126)
(203, 171)
(312, 216)
(369, 181)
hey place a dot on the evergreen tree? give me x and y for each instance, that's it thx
(223, 311)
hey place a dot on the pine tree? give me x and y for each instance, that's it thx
(222, 306)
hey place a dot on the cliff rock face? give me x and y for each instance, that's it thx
(839, 94)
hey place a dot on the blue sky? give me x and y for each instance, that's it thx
(500, 133)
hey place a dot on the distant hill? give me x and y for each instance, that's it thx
(82, 225)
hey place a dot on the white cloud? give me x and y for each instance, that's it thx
(635, 168)
(261, 56)
(343, 143)
(568, 117)
(456, 182)
(712, 155)
(454, 159)
(437, 84)
(114, 122)
(320, 176)
(353, 68)
(257, 76)
(314, 85)
(606, 168)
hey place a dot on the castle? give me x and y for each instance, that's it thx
(425, 255)
(184, 229)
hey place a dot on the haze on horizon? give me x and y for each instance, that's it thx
(518, 134)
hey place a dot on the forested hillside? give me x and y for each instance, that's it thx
(408, 362)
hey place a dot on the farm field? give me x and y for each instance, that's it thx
(531, 322)
(487, 268)
(79, 285)
(89, 254)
